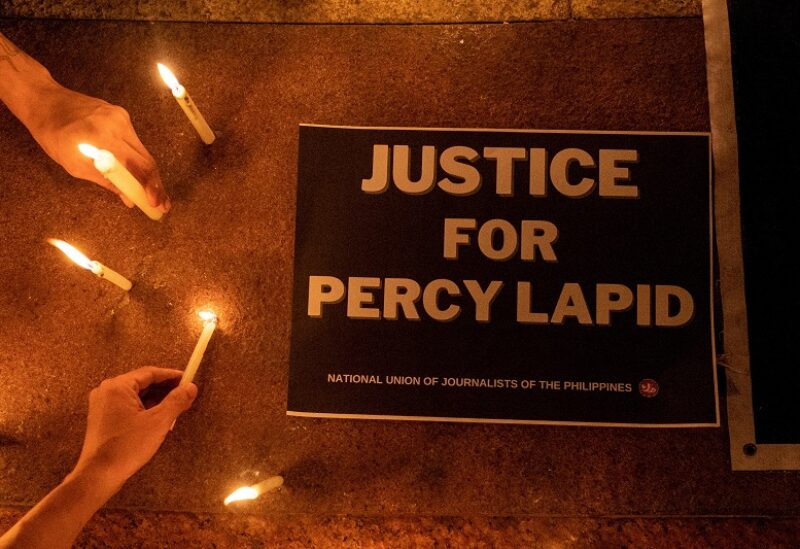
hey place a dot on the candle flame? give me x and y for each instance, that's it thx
(88, 150)
(241, 494)
(71, 252)
(252, 492)
(167, 76)
(207, 316)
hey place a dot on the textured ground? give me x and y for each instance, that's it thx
(147, 530)
(344, 11)
(228, 244)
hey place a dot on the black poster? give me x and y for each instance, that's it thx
(503, 276)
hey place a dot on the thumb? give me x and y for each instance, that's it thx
(176, 402)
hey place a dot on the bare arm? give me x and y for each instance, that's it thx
(59, 119)
(58, 519)
(121, 436)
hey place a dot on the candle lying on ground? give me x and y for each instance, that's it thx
(108, 165)
(192, 113)
(252, 492)
(209, 324)
(95, 266)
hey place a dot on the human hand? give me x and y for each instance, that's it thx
(64, 118)
(121, 434)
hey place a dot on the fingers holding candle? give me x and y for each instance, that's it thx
(117, 173)
(121, 435)
(143, 167)
(142, 378)
(60, 118)
(88, 172)
(174, 404)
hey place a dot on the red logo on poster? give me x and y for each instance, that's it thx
(648, 388)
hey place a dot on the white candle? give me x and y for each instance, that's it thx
(189, 108)
(107, 164)
(95, 266)
(209, 324)
(252, 492)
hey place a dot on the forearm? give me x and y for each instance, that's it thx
(22, 79)
(57, 520)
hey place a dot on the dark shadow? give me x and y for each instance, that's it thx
(8, 440)
(307, 476)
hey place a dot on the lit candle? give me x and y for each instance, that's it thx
(252, 492)
(95, 266)
(209, 324)
(188, 106)
(108, 165)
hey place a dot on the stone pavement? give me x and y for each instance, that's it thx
(345, 11)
